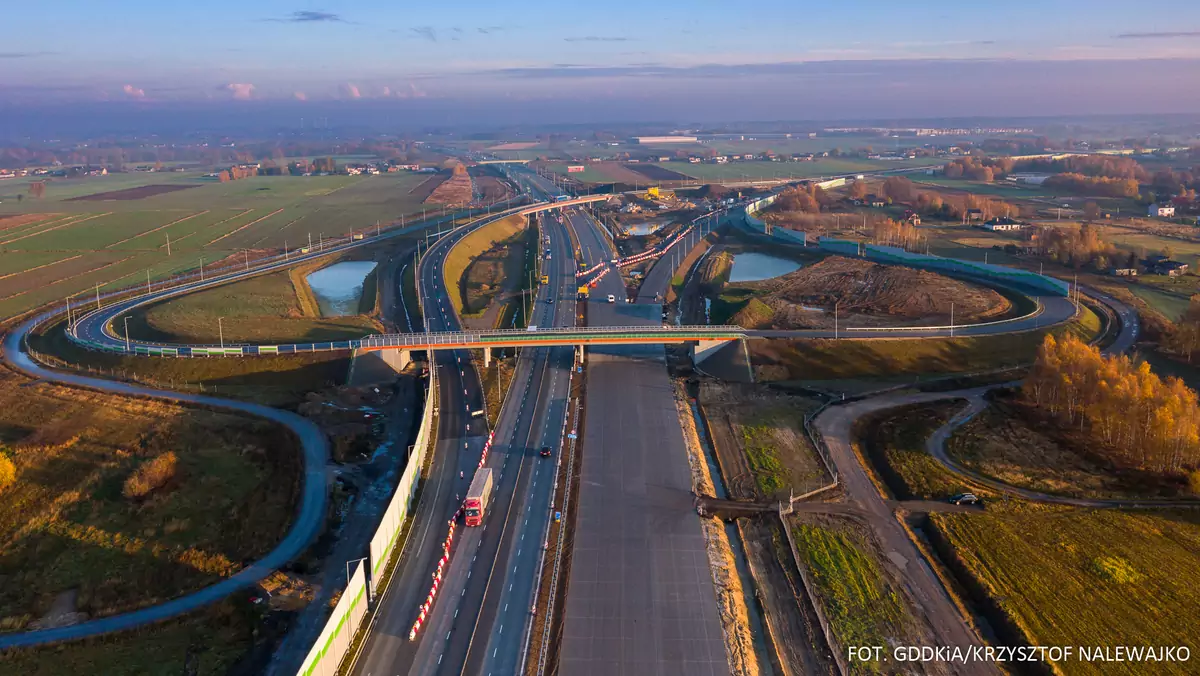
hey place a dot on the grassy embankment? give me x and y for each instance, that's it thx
(277, 381)
(862, 604)
(1049, 575)
(470, 248)
(816, 360)
(210, 642)
(275, 308)
(85, 516)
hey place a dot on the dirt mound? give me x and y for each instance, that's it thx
(869, 294)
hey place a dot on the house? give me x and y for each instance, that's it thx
(911, 217)
(1161, 211)
(1166, 267)
(1124, 272)
(1002, 224)
(875, 201)
(974, 214)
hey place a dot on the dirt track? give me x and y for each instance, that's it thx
(869, 293)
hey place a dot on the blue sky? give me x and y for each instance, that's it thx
(659, 53)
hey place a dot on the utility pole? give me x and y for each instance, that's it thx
(835, 318)
(127, 333)
(221, 332)
(246, 254)
(69, 313)
(310, 241)
(97, 296)
(202, 268)
(147, 281)
(951, 319)
(285, 251)
(168, 244)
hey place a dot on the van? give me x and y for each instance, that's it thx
(612, 298)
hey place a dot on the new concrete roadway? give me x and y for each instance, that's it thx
(640, 599)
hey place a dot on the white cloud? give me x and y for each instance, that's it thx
(300, 96)
(385, 92)
(134, 92)
(240, 91)
(349, 90)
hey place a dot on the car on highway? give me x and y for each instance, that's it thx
(549, 301)
(546, 451)
(965, 499)
(612, 298)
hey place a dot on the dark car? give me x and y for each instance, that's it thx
(965, 499)
(545, 451)
(549, 301)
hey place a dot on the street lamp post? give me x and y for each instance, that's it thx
(835, 318)
(127, 333)
(221, 331)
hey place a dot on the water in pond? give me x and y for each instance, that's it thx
(339, 287)
(752, 267)
(641, 229)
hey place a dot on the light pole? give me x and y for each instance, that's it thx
(221, 331)
(951, 319)
(835, 318)
(127, 333)
(202, 268)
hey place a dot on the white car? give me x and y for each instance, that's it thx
(612, 298)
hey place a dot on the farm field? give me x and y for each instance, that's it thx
(59, 246)
(1063, 576)
(782, 170)
(121, 503)
(590, 174)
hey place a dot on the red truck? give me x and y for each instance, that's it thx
(479, 495)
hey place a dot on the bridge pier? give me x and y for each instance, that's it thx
(397, 359)
(706, 348)
(579, 354)
(487, 357)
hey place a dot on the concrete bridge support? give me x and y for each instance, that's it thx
(705, 349)
(579, 354)
(397, 359)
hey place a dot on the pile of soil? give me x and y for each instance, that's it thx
(867, 294)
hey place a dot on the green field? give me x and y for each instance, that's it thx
(812, 360)
(862, 605)
(783, 170)
(259, 310)
(589, 175)
(114, 243)
(1061, 576)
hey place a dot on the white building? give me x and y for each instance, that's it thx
(1161, 211)
(645, 140)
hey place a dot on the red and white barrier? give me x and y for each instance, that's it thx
(444, 561)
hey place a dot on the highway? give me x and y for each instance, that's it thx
(479, 619)
(640, 599)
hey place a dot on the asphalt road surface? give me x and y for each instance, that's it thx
(460, 439)
(640, 599)
(483, 606)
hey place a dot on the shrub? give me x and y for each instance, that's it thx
(8, 471)
(1115, 569)
(150, 476)
(1194, 481)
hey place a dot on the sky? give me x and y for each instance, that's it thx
(700, 59)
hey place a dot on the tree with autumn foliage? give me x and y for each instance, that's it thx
(1136, 419)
